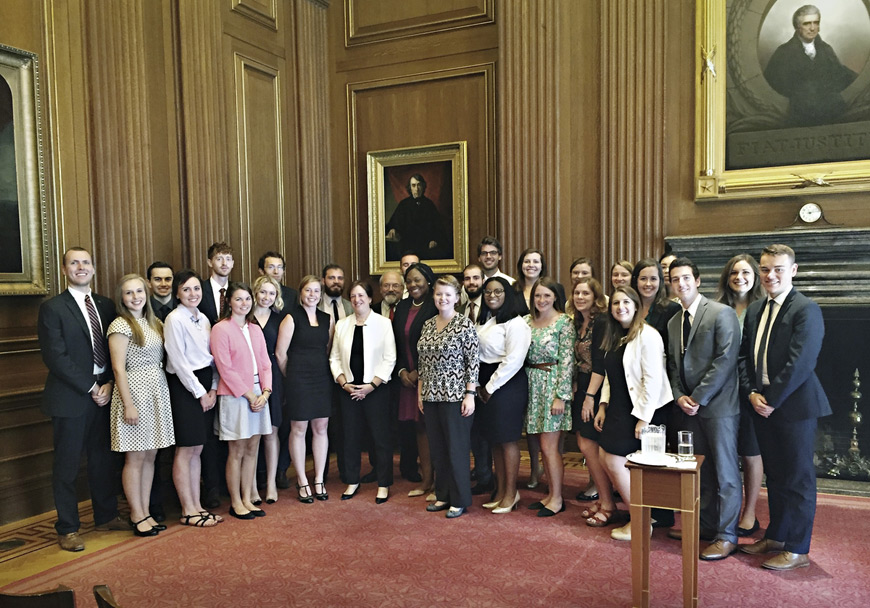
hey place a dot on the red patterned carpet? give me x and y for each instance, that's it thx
(356, 553)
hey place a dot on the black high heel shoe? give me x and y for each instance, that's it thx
(149, 532)
(322, 495)
(307, 498)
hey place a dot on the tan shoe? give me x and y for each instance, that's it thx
(720, 549)
(624, 532)
(114, 524)
(71, 542)
(787, 560)
(765, 545)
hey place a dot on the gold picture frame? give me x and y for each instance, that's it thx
(418, 200)
(739, 23)
(24, 222)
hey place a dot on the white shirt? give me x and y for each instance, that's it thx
(810, 48)
(216, 292)
(499, 273)
(506, 344)
(762, 322)
(79, 297)
(186, 339)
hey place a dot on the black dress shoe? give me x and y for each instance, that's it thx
(545, 512)
(322, 495)
(536, 506)
(369, 477)
(259, 513)
(271, 501)
(257, 502)
(305, 498)
(158, 527)
(380, 501)
(351, 495)
(149, 532)
(248, 515)
(585, 496)
(482, 488)
(748, 531)
(157, 513)
(455, 512)
(435, 507)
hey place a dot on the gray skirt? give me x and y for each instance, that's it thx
(235, 420)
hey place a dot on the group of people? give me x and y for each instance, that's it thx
(444, 370)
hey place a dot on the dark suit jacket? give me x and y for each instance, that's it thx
(161, 311)
(711, 359)
(206, 305)
(290, 297)
(792, 351)
(427, 311)
(68, 353)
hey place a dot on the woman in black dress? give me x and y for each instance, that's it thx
(267, 311)
(302, 352)
(635, 387)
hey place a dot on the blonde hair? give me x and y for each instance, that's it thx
(262, 280)
(449, 281)
(138, 336)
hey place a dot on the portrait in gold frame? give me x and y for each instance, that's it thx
(716, 28)
(441, 236)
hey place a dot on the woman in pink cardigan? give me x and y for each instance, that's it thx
(240, 354)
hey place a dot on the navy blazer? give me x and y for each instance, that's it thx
(290, 297)
(792, 351)
(68, 353)
(400, 317)
(711, 359)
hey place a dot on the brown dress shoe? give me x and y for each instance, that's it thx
(71, 542)
(114, 524)
(765, 545)
(718, 550)
(787, 560)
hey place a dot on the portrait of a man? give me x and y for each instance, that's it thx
(417, 222)
(807, 71)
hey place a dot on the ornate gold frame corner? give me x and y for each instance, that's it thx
(712, 180)
(376, 161)
(20, 71)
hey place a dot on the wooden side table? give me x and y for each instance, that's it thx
(668, 488)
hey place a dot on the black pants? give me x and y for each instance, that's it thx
(87, 434)
(372, 414)
(450, 445)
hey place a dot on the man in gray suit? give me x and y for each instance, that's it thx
(704, 343)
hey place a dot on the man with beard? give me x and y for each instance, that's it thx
(416, 223)
(472, 286)
(159, 275)
(392, 287)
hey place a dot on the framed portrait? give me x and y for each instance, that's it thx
(782, 97)
(24, 263)
(418, 201)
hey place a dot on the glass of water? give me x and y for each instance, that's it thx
(685, 444)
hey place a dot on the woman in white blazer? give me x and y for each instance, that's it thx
(362, 360)
(635, 387)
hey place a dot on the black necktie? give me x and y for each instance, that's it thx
(335, 310)
(687, 328)
(96, 333)
(762, 348)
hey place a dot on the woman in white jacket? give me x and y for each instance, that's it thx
(362, 360)
(635, 387)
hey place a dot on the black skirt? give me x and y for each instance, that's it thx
(503, 415)
(192, 425)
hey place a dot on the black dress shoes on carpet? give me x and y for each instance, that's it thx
(248, 515)
(743, 532)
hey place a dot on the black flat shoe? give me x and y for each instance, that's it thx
(351, 495)
(435, 507)
(149, 532)
(271, 501)
(322, 495)
(545, 512)
(585, 496)
(307, 498)
(158, 527)
(536, 506)
(453, 513)
(248, 515)
(742, 532)
(258, 513)
(257, 502)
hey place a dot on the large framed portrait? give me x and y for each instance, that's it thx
(24, 263)
(418, 201)
(782, 97)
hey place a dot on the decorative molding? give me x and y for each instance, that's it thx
(530, 142)
(314, 148)
(633, 130)
(263, 12)
(400, 20)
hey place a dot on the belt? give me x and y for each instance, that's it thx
(544, 366)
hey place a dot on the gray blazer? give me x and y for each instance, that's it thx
(711, 359)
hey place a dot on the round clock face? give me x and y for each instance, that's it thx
(810, 213)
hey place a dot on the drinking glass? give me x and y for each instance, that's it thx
(685, 444)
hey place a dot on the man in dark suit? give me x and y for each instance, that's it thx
(163, 302)
(72, 339)
(272, 263)
(704, 341)
(214, 453)
(782, 337)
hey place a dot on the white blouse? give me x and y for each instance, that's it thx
(506, 344)
(186, 339)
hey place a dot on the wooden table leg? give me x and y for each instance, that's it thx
(690, 544)
(640, 543)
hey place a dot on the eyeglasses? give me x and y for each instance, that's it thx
(493, 292)
(489, 253)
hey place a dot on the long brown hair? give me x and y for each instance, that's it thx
(147, 312)
(599, 304)
(613, 339)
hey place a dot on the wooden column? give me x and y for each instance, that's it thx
(632, 128)
(530, 138)
(313, 88)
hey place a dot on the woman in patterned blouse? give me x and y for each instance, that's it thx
(449, 363)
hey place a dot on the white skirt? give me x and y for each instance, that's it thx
(235, 420)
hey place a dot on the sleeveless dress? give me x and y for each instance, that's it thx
(149, 391)
(308, 383)
(276, 399)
